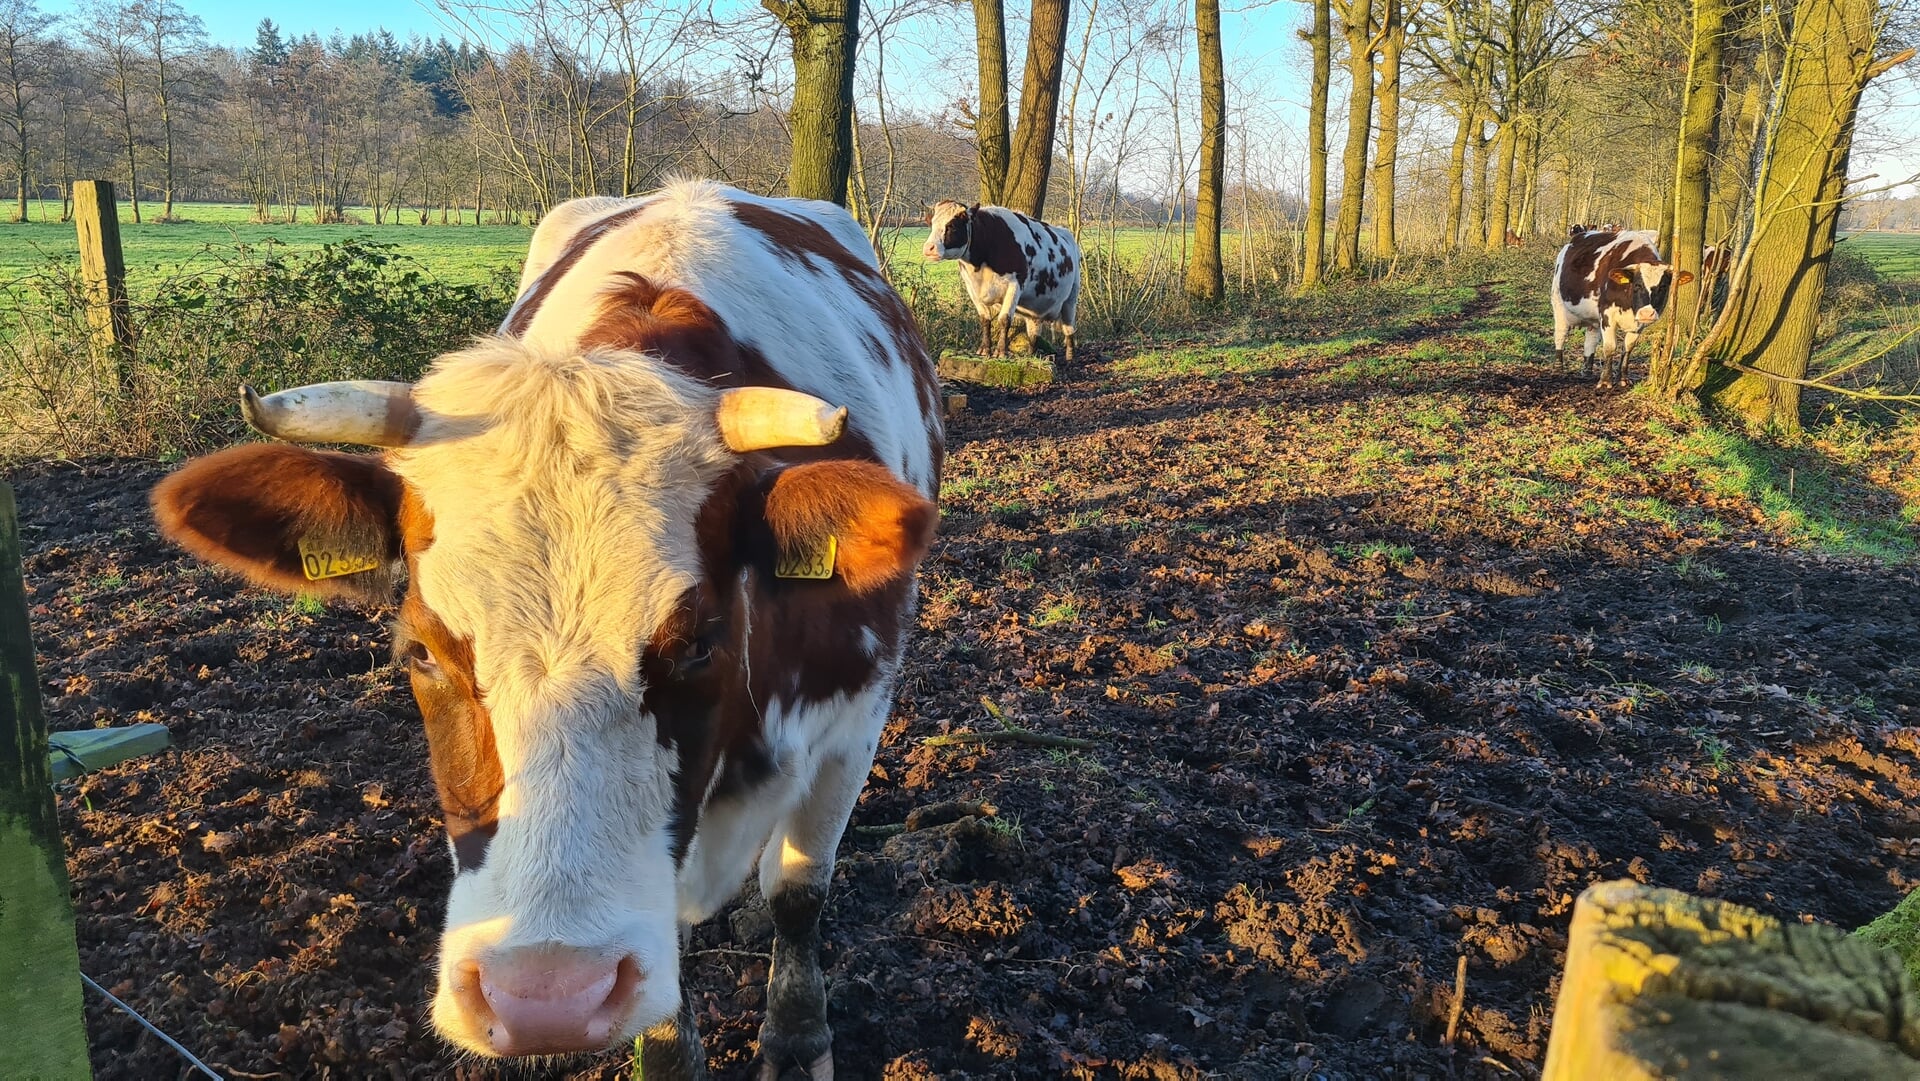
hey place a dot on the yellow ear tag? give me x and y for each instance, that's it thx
(325, 561)
(815, 563)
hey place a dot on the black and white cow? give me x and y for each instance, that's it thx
(653, 546)
(1011, 265)
(1612, 285)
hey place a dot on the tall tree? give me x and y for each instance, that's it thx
(1699, 127)
(113, 35)
(170, 37)
(990, 125)
(26, 54)
(1032, 158)
(1321, 38)
(1393, 39)
(1765, 335)
(1206, 279)
(824, 34)
(1356, 24)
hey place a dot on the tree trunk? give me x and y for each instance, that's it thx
(1315, 240)
(1477, 198)
(1356, 23)
(990, 125)
(1699, 126)
(1205, 276)
(1500, 212)
(1457, 178)
(824, 33)
(1766, 333)
(1392, 38)
(1032, 158)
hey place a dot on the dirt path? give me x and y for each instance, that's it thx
(1385, 652)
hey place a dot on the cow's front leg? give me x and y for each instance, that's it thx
(986, 333)
(1606, 355)
(671, 1050)
(1589, 344)
(795, 870)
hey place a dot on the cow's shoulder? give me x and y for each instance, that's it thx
(999, 242)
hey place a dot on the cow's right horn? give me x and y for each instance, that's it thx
(757, 418)
(369, 412)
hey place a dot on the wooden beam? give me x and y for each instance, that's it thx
(1662, 986)
(103, 270)
(40, 1013)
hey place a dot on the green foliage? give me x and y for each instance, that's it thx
(1899, 931)
(350, 310)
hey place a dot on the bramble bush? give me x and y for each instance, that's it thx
(351, 310)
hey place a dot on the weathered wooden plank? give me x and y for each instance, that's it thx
(74, 753)
(42, 1030)
(996, 371)
(1662, 985)
(103, 270)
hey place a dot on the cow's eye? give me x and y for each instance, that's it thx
(420, 661)
(698, 656)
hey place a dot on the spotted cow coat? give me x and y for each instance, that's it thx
(1613, 286)
(1011, 265)
(627, 708)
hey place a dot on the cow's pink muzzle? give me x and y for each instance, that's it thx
(547, 1000)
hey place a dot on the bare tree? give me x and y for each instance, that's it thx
(1356, 24)
(1031, 163)
(114, 38)
(1321, 38)
(26, 68)
(824, 34)
(990, 124)
(169, 37)
(1205, 275)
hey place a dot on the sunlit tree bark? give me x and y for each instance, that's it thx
(1356, 25)
(824, 34)
(1393, 37)
(1699, 124)
(1032, 158)
(1321, 38)
(1765, 336)
(1205, 275)
(990, 120)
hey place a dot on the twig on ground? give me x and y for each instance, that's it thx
(1459, 999)
(1009, 735)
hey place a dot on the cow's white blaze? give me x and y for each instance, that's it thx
(564, 490)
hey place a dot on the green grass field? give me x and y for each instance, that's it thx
(1895, 255)
(210, 231)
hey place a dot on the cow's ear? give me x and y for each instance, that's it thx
(289, 518)
(1621, 277)
(1684, 277)
(840, 519)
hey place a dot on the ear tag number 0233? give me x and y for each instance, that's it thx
(815, 563)
(325, 561)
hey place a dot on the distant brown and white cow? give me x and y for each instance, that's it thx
(1011, 264)
(658, 540)
(1612, 285)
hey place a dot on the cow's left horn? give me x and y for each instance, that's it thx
(370, 412)
(756, 418)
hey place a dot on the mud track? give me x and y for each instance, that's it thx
(1349, 726)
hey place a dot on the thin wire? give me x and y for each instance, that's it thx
(168, 1040)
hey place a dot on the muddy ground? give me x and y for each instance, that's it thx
(1360, 703)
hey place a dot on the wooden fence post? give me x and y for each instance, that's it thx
(103, 269)
(40, 1011)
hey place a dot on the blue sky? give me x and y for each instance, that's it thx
(1259, 44)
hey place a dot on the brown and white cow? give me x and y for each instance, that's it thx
(657, 538)
(1612, 285)
(1011, 264)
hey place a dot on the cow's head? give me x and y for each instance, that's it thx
(951, 231)
(583, 540)
(1640, 289)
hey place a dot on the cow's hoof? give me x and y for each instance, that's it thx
(820, 1069)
